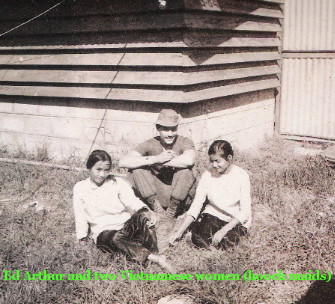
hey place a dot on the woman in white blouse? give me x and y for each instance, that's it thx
(106, 208)
(223, 194)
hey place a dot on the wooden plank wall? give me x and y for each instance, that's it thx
(190, 52)
(97, 72)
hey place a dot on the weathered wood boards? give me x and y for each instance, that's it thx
(157, 77)
(102, 70)
(127, 46)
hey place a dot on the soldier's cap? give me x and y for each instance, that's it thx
(168, 118)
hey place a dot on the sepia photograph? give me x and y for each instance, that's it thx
(167, 151)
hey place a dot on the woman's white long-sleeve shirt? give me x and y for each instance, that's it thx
(228, 196)
(106, 207)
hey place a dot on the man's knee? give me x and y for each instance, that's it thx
(142, 181)
(140, 173)
(184, 173)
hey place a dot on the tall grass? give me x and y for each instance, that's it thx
(293, 230)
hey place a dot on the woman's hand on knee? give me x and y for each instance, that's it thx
(218, 236)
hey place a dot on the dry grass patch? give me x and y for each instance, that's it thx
(293, 231)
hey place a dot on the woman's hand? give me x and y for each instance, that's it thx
(175, 237)
(218, 236)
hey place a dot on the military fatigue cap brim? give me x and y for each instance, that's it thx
(168, 118)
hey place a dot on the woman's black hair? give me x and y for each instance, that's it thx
(222, 147)
(98, 155)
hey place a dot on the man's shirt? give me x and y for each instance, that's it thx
(153, 146)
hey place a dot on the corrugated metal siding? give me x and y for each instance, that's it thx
(308, 90)
(308, 78)
(309, 25)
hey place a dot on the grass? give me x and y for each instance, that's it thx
(293, 230)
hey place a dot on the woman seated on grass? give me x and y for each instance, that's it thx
(226, 189)
(116, 218)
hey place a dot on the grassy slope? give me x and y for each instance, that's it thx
(293, 230)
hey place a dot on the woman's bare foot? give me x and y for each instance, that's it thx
(162, 262)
